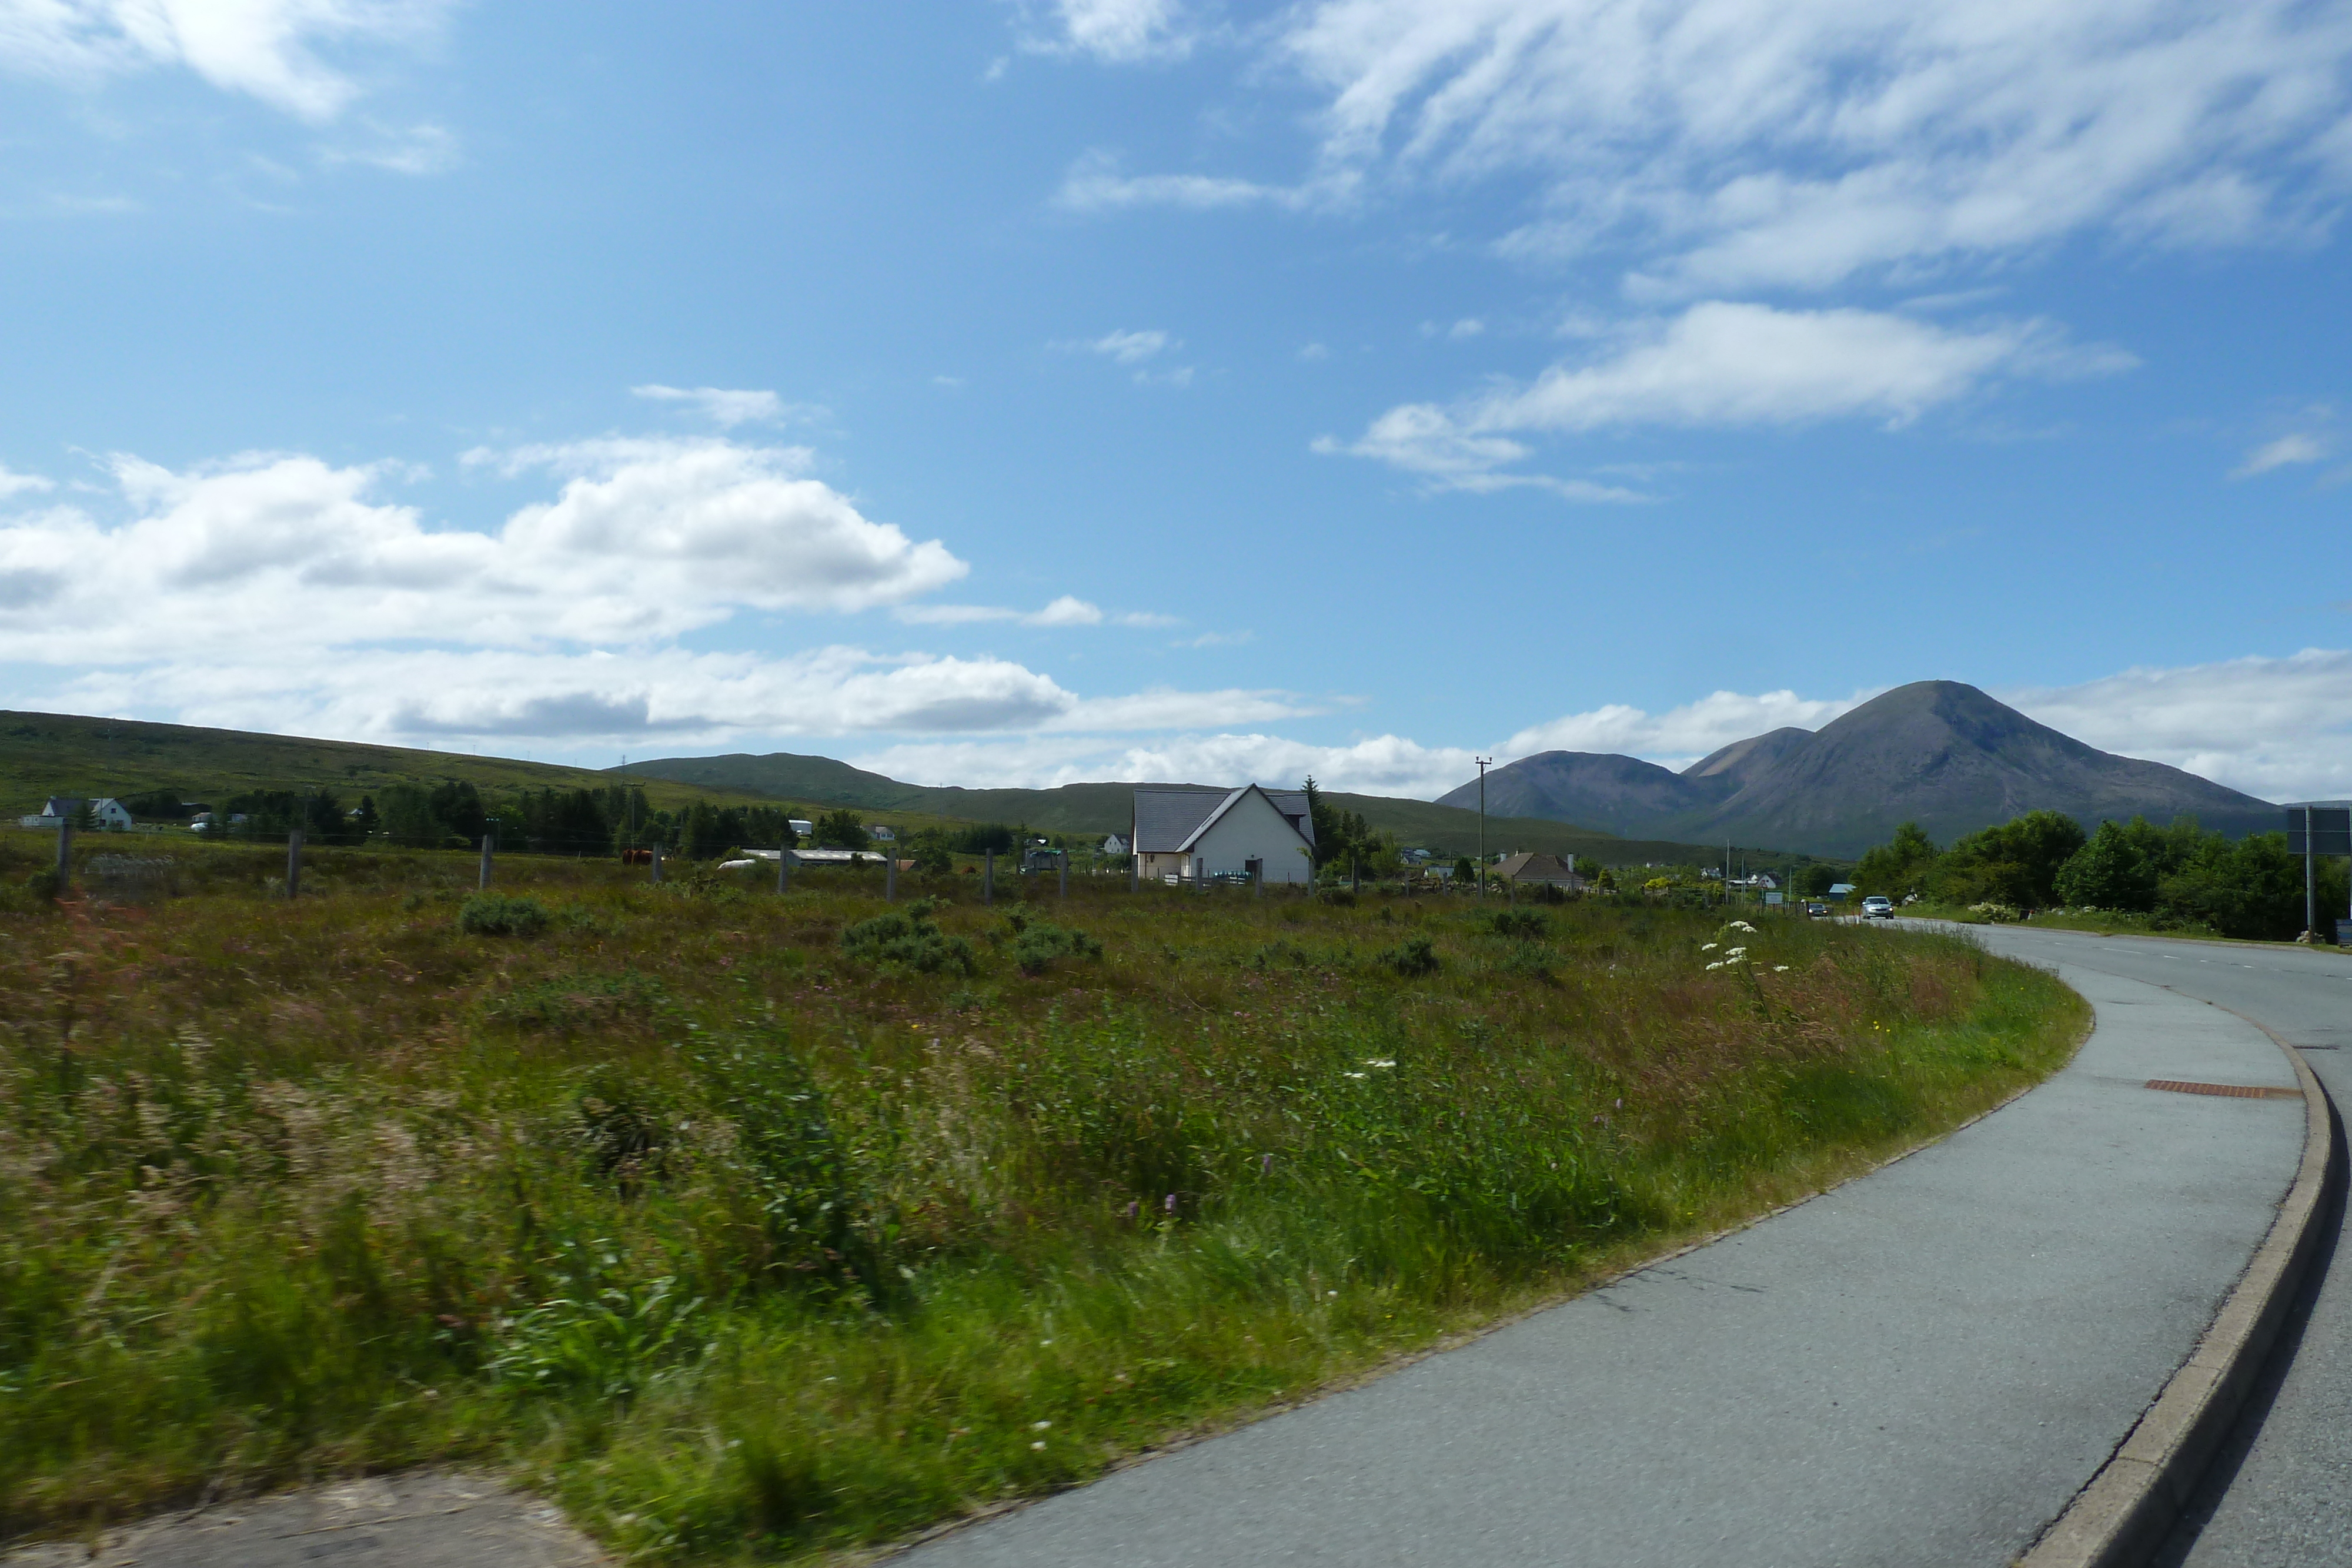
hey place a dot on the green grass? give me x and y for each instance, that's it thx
(2105, 923)
(755, 1228)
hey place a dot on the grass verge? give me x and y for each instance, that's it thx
(758, 1227)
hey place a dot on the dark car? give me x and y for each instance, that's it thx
(1817, 910)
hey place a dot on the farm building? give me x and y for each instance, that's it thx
(1185, 833)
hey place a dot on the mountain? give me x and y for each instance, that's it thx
(1940, 752)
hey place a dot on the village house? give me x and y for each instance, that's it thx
(1530, 868)
(1181, 834)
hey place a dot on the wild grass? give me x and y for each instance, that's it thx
(751, 1231)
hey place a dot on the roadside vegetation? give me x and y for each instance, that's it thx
(2127, 876)
(759, 1228)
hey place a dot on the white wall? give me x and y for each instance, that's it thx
(1254, 830)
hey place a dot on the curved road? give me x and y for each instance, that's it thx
(2281, 1492)
(1921, 1366)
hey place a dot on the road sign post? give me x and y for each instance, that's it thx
(2315, 827)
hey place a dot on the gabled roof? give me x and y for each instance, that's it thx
(1170, 821)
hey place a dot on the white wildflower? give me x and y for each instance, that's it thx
(1041, 1426)
(1380, 1061)
(1741, 925)
(1780, 968)
(1709, 946)
(1716, 965)
(1352, 1075)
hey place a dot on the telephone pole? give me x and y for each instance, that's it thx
(1482, 824)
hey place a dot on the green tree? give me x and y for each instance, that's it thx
(1899, 866)
(841, 830)
(1813, 881)
(2110, 871)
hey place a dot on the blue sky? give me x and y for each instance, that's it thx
(1002, 392)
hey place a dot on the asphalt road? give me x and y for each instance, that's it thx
(2281, 1492)
(1923, 1365)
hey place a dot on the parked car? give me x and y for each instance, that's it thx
(1817, 910)
(1878, 907)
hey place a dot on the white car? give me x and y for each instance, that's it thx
(1877, 906)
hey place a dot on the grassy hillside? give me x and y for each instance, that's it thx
(43, 754)
(1104, 808)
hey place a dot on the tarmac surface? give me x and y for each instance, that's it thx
(425, 1519)
(1922, 1365)
(2281, 1491)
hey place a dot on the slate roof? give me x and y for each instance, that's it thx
(1168, 821)
(1531, 867)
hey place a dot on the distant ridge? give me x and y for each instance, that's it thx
(1940, 752)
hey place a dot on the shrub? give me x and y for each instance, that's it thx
(1343, 897)
(44, 885)
(1411, 956)
(1037, 943)
(496, 914)
(1533, 923)
(908, 939)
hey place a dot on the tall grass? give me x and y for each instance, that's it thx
(751, 1241)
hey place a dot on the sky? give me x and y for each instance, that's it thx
(1017, 392)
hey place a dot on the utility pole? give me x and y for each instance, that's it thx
(1483, 763)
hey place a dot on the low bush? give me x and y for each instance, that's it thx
(1414, 955)
(1037, 943)
(1533, 923)
(496, 915)
(911, 940)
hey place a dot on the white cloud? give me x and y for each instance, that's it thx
(14, 484)
(1680, 736)
(2278, 454)
(1746, 143)
(1381, 765)
(1723, 364)
(2279, 728)
(1132, 348)
(264, 48)
(424, 148)
(1096, 182)
(1120, 31)
(1067, 611)
(645, 541)
(727, 408)
(1468, 327)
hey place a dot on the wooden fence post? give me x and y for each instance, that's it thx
(486, 842)
(890, 876)
(1065, 873)
(988, 877)
(294, 863)
(784, 866)
(657, 865)
(64, 855)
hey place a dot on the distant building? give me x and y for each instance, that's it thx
(1838, 890)
(800, 828)
(1114, 845)
(881, 835)
(1185, 833)
(110, 814)
(54, 810)
(1528, 867)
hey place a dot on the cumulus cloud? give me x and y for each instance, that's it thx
(14, 484)
(1736, 144)
(1725, 364)
(726, 408)
(645, 540)
(262, 48)
(2280, 729)
(2278, 454)
(1380, 765)
(1067, 611)
(1679, 735)
(1120, 31)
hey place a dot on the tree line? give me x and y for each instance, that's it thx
(2179, 875)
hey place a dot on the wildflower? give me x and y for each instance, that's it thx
(1780, 968)
(1352, 1075)
(1718, 965)
(1041, 1426)
(1038, 1446)
(1741, 925)
(1266, 1164)
(1710, 947)
(1378, 1061)
(1736, 952)
(1172, 1203)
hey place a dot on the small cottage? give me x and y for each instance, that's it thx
(1531, 868)
(1184, 834)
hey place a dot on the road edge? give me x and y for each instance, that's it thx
(2122, 1515)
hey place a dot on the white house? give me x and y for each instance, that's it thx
(799, 828)
(110, 814)
(1114, 845)
(880, 835)
(1187, 833)
(54, 811)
